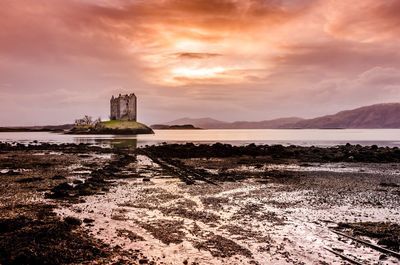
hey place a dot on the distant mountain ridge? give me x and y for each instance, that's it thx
(378, 116)
(267, 124)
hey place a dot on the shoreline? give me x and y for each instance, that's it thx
(208, 201)
(276, 153)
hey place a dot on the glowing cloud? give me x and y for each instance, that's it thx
(258, 59)
(197, 72)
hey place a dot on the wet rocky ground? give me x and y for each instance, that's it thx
(190, 204)
(37, 179)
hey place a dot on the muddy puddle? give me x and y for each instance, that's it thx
(259, 219)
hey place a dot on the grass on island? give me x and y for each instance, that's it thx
(117, 124)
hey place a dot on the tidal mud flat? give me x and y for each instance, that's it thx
(198, 204)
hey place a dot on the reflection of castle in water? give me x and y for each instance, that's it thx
(111, 142)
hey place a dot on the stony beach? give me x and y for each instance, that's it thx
(198, 204)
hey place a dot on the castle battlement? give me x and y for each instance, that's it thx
(123, 107)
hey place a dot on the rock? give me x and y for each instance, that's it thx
(29, 180)
(12, 173)
(58, 177)
(143, 261)
(338, 249)
(146, 179)
(60, 191)
(88, 221)
(392, 185)
(72, 221)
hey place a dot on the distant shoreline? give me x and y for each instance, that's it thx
(12, 129)
(171, 128)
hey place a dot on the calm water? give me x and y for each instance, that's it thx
(382, 137)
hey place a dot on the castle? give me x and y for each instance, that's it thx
(123, 107)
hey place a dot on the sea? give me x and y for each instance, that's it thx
(302, 137)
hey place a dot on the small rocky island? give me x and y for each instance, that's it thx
(174, 127)
(123, 115)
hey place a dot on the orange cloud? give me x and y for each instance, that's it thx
(256, 57)
(364, 21)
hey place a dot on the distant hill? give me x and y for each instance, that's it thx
(377, 116)
(369, 117)
(267, 124)
(209, 123)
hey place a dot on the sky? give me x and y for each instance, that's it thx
(226, 59)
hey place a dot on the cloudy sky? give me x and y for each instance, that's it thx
(227, 59)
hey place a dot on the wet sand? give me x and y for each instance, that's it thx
(90, 205)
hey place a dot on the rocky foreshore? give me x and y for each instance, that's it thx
(195, 204)
(278, 153)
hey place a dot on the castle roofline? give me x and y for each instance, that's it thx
(123, 96)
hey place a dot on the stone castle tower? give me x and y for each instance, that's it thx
(123, 107)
